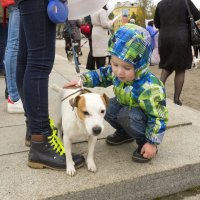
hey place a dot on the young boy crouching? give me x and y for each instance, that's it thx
(138, 111)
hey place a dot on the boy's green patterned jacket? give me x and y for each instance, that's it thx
(146, 90)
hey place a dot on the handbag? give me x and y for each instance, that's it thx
(86, 30)
(6, 3)
(194, 30)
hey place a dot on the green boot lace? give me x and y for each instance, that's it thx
(54, 140)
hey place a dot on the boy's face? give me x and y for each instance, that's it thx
(123, 70)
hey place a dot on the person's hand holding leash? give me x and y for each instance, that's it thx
(73, 84)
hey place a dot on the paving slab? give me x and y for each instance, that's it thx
(197, 197)
(175, 168)
(13, 140)
(6, 119)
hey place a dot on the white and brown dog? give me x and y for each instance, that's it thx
(81, 112)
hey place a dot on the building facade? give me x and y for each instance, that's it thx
(126, 11)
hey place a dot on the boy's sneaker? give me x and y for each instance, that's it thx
(119, 138)
(47, 151)
(15, 107)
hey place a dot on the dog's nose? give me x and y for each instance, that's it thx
(96, 130)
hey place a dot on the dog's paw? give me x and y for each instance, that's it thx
(91, 166)
(71, 171)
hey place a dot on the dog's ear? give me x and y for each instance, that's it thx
(105, 99)
(74, 102)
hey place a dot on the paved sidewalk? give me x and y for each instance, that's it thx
(175, 168)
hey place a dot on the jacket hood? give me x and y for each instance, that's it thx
(132, 44)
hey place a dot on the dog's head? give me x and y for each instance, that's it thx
(91, 109)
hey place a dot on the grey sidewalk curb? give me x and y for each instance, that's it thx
(141, 188)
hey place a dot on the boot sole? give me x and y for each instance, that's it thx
(35, 165)
(138, 160)
(125, 141)
(142, 160)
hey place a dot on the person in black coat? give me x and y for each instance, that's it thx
(171, 18)
(72, 35)
(197, 49)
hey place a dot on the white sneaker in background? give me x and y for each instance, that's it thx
(15, 107)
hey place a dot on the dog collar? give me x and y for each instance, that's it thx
(82, 91)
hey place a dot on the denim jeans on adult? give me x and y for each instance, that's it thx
(35, 61)
(3, 41)
(10, 59)
(124, 120)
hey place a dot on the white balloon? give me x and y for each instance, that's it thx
(82, 8)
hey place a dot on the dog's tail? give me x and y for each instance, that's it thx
(56, 88)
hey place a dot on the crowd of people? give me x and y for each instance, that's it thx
(137, 112)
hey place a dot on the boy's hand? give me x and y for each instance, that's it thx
(149, 150)
(72, 84)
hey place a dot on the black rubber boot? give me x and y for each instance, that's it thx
(119, 138)
(27, 136)
(47, 151)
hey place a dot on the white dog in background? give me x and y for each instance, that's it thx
(80, 113)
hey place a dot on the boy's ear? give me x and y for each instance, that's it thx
(105, 99)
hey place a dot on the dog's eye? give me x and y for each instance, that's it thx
(102, 111)
(86, 113)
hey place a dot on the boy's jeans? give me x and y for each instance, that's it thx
(12, 47)
(35, 61)
(132, 122)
